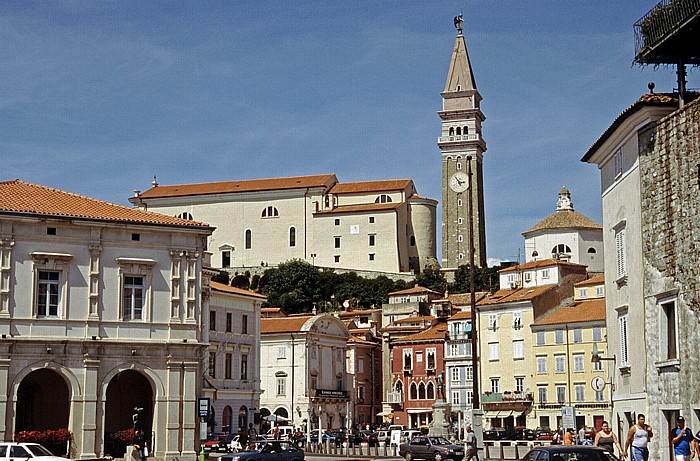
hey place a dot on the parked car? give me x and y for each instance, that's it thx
(495, 433)
(384, 436)
(544, 433)
(215, 442)
(235, 444)
(431, 447)
(271, 450)
(569, 453)
(282, 432)
(523, 433)
(27, 451)
(325, 436)
(407, 436)
(368, 437)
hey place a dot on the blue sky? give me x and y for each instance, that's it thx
(96, 97)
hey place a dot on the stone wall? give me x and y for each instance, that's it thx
(669, 161)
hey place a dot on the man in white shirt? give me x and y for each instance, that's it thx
(470, 444)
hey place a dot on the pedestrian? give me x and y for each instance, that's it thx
(639, 437)
(252, 436)
(470, 442)
(569, 437)
(682, 440)
(139, 443)
(243, 438)
(581, 434)
(606, 438)
(277, 431)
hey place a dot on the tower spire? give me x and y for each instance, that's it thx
(460, 76)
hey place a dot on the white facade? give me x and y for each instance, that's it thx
(232, 365)
(100, 312)
(458, 362)
(376, 226)
(303, 370)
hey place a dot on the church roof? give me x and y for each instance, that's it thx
(248, 185)
(19, 197)
(436, 332)
(361, 208)
(589, 310)
(371, 186)
(541, 264)
(460, 73)
(564, 219)
(291, 324)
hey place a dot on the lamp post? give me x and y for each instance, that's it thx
(597, 358)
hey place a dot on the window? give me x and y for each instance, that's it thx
(408, 359)
(248, 239)
(558, 336)
(339, 384)
(454, 350)
(545, 274)
(281, 352)
(413, 392)
(559, 364)
(430, 357)
(580, 391)
(600, 291)
(578, 363)
(412, 240)
(421, 391)
(493, 351)
(495, 385)
(591, 251)
(542, 394)
(518, 349)
(560, 248)
(225, 259)
(370, 256)
(540, 340)
(244, 324)
(132, 298)
(517, 320)
(460, 220)
(541, 365)
(469, 373)
(361, 392)
(455, 374)
(212, 320)
(598, 366)
(617, 163)
(136, 237)
(519, 383)
(582, 292)
(244, 366)
(493, 322)
(624, 358)
(597, 334)
(227, 366)
(599, 396)
(185, 215)
(383, 198)
(360, 365)
(370, 219)
(48, 293)
(460, 238)
(229, 322)
(620, 253)
(336, 258)
(372, 239)
(470, 395)
(455, 397)
(337, 221)
(282, 385)
(270, 212)
(212, 364)
(459, 202)
(336, 242)
(292, 236)
(668, 325)
(578, 335)
(528, 276)
(419, 357)
(561, 394)
(50, 231)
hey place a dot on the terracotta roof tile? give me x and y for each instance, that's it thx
(291, 324)
(564, 219)
(371, 186)
(540, 263)
(435, 333)
(462, 299)
(420, 318)
(361, 208)
(414, 291)
(249, 185)
(598, 280)
(461, 315)
(358, 313)
(234, 290)
(25, 198)
(355, 339)
(588, 310)
(521, 294)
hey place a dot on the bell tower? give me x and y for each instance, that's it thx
(462, 148)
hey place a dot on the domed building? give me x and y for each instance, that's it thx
(566, 235)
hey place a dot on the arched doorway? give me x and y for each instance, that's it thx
(265, 424)
(43, 402)
(226, 418)
(243, 416)
(127, 391)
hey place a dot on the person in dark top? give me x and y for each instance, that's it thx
(605, 438)
(140, 444)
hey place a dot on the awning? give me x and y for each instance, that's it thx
(384, 413)
(498, 414)
(419, 410)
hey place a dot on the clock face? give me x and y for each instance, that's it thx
(459, 182)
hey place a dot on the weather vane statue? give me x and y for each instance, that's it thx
(458, 23)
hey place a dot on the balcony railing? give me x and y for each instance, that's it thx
(497, 397)
(661, 22)
(458, 336)
(394, 398)
(460, 138)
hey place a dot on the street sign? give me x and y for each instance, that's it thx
(568, 417)
(203, 407)
(598, 384)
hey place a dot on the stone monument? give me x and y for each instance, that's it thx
(440, 425)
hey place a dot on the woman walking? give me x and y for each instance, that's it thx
(605, 438)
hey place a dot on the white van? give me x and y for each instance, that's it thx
(283, 432)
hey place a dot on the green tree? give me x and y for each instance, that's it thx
(255, 282)
(241, 281)
(432, 278)
(485, 279)
(221, 277)
(293, 286)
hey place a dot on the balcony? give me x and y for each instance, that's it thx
(668, 32)
(517, 401)
(452, 336)
(461, 138)
(394, 398)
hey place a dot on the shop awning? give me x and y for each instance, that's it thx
(419, 410)
(384, 413)
(498, 414)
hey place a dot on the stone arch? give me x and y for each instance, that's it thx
(421, 391)
(430, 391)
(43, 401)
(413, 395)
(227, 419)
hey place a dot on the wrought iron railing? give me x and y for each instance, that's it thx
(666, 16)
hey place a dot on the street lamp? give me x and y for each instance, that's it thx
(597, 358)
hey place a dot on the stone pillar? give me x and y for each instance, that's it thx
(6, 244)
(441, 414)
(87, 442)
(5, 416)
(168, 409)
(189, 410)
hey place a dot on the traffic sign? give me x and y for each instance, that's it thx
(598, 384)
